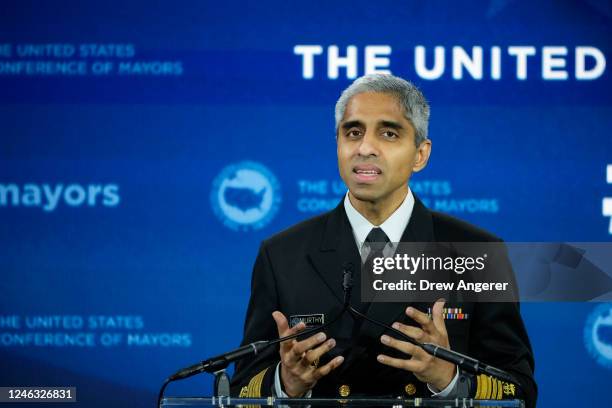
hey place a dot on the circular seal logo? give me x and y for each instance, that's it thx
(598, 334)
(245, 196)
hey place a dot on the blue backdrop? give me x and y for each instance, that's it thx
(147, 148)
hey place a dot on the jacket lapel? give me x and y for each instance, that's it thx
(337, 247)
(420, 226)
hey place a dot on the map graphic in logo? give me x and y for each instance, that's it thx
(245, 196)
(598, 334)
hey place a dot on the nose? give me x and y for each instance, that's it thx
(368, 146)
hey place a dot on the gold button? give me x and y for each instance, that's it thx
(410, 389)
(344, 390)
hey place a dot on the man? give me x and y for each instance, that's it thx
(381, 132)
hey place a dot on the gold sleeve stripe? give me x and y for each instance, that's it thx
(253, 390)
(484, 387)
(494, 392)
(478, 387)
(488, 387)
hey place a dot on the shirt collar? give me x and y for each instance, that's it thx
(393, 226)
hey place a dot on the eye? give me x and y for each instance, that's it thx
(389, 134)
(354, 133)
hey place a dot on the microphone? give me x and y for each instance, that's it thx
(466, 363)
(221, 361)
(214, 364)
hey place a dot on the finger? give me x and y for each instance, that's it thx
(409, 365)
(314, 354)
(302, 346)
(399, 345)
(438, 316)
(327, 368)
(411, 331)
(283, 328)
(421, 318)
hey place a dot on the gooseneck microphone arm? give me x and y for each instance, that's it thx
(464, 362)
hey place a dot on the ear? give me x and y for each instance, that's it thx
(422, 156)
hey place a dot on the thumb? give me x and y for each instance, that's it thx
(282, 325)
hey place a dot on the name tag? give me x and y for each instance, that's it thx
(311, 320)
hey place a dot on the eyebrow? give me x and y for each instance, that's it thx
(391, 124)
(383, 123)
(351, 124)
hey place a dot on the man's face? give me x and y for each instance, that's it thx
(376, 150)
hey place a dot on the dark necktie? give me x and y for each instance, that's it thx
(376, 241)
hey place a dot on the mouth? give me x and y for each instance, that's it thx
(366, 173)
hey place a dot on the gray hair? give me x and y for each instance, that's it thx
(410, 98)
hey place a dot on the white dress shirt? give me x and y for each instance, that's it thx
(393, 226)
